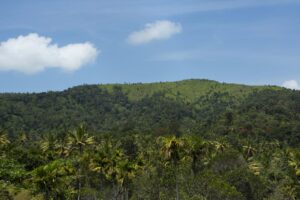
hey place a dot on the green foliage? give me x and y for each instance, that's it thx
(191, 106)
(5, 193)
(193, 139)
(11, 171)
(53, 179)
(105, 166)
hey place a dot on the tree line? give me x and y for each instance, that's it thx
(79, 164)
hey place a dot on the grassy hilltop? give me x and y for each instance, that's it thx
(188, 90)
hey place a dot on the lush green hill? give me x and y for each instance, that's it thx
(187, 90)
(193, 139)
(189, 106)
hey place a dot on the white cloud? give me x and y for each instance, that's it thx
(291, 84)
(158, 30)
(33, 53)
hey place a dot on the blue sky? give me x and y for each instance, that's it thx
(72, 42)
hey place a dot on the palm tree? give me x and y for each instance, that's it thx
(100, 161)
(220, 147)
(171, 148)
(79, 138)
(22, 138)
(199, 151)
(148, 164)
(194, 151)
(47, 145)
(255, 167)
(111, 161)
(294, 160)
(249, 151)
(61, 147)
(76, 141)
(51, 178)
(110, 169)
(3, 139)
(126, 170)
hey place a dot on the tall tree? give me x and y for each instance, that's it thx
(77, 141)
(171, 148)
(3, 139)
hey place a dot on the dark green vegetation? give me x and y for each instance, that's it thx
(194, 139)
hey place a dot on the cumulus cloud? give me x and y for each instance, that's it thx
(33, 53)
(158, 30)
(291, 84)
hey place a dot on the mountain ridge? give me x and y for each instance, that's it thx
(109, 85)
(195, 106)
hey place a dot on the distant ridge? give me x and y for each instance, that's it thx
(193, 105)
(190, 89)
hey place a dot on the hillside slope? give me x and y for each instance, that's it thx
(188, 90)
(198, 106)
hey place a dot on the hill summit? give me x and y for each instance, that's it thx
(205, 107)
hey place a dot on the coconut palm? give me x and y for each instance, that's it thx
(126, 170)
(61, 148)
(171, 148)
(47, 143)
(51, 179)
(255, 167)
(220, 147)
(199, 151)
(22, 138)
(294, 160)
(79, 138)
(116, 167)
(249, 151)
(3, 139)
(77, 141)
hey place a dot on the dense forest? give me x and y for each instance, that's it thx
(192, 139)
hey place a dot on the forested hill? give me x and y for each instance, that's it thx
(204, 107)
